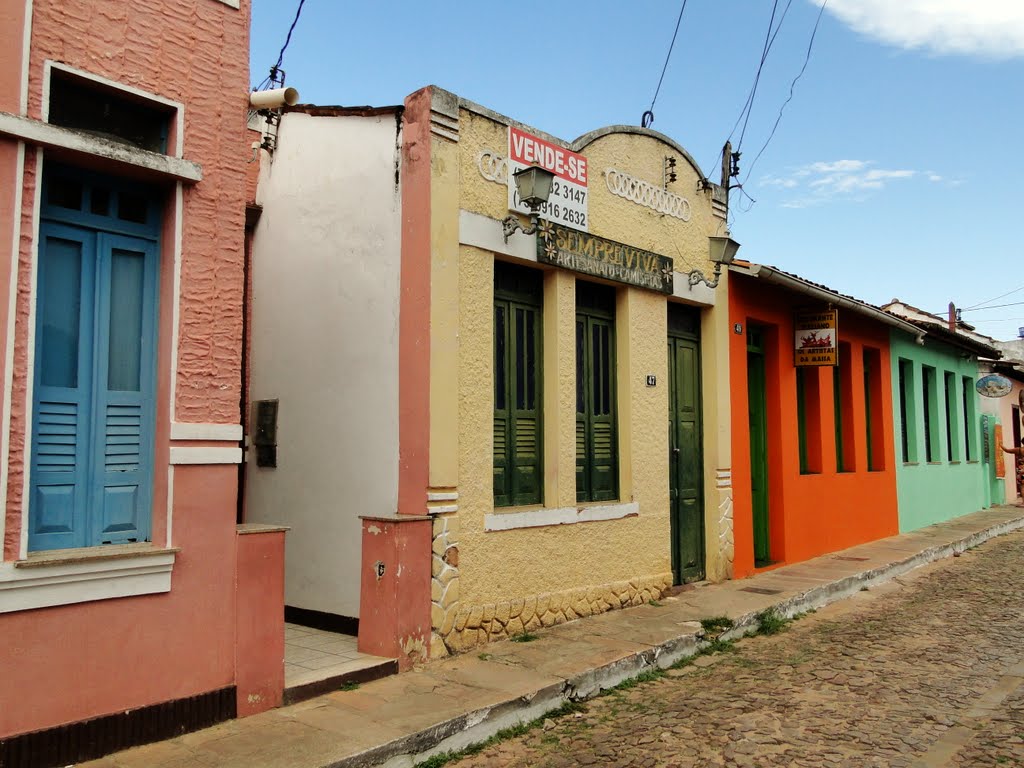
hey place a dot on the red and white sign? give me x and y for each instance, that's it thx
(568, 202)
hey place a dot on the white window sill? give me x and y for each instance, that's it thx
(85, 144)
(65, 577)
(537, 518)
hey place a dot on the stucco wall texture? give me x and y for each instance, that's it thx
(809, 514)
(581, 568)
(131, 652)
(931, 492)
(186, 52)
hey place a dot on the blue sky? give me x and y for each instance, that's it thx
(895, 169)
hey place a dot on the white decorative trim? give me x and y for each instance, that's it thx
(442, 509)
(26, 473)
(442, 496)
(170, 505)
(41, 586)
(646, 194)
(493, 167)
(191, 455)
(26, 57)
(229, 3)
(12, 315)
(176, 299)
(535, 518)
(445, 126)
(46, 135)
(693, 294)
(484, 232)
(184, 430)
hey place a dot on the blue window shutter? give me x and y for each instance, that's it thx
(123, 416)
(62, 388)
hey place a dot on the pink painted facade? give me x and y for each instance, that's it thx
(197, 607)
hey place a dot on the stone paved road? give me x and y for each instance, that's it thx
(925, 672)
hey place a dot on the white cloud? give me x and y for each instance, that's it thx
(993, 28)
(820, 182)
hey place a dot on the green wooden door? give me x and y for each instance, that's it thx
(758, 424)
(685, 460)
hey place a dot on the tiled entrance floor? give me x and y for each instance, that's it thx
(316, 661)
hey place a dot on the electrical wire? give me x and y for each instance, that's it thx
(288, 39)
(995, 298)
(792, 86)
(648, 117)
(768, 43)
(994, 306)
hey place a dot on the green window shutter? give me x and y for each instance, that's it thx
(518, 434)
(597, 451)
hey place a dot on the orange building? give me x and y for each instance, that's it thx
(813, 464)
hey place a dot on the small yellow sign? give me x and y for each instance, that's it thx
(816, 338)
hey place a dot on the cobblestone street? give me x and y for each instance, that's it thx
(926, 671)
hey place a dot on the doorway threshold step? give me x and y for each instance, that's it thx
(299, 686)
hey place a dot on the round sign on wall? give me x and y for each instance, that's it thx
(993, 385)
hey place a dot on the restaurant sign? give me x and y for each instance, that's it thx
(582, 252)
(816, 338)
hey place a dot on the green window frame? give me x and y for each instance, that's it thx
(970, 446)
(518, 381)
(875, 428)
(908, 423)
(931, 414)
(952, 431)
(597, 448)
(842, 393)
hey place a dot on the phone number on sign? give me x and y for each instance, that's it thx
(567, 205)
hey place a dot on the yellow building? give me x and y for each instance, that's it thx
(560, 421)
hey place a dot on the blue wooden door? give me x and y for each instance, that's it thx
(93, 400)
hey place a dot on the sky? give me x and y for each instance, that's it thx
(892, 173)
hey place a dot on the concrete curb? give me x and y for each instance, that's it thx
(479, 725)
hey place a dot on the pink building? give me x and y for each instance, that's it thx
(131, 603)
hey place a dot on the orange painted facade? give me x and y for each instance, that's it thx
(84, 655)
(821, 510)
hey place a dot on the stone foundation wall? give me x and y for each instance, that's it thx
(458, 627)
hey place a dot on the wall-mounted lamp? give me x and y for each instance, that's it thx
(533, 185)
(721, 250)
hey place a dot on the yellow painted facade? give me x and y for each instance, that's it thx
(504, 582)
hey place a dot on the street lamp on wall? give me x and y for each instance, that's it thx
(721, 250)
(533, 185)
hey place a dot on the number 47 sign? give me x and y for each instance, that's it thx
(568, 202)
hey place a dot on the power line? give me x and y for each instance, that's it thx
(769, 41)
(288, 39)
(995, 298)
(648, 117)
(792, 86)
(994, 306)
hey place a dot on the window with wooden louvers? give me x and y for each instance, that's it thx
(597, 450)
(517, 386)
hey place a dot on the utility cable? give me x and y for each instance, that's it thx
(288, 39)
(792, 86)
(994, 306)
(648, 117)
(981, 304)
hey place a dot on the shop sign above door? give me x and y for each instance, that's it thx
(816, 338)
(592, 255)
(568, 202)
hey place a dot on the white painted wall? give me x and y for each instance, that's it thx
(325, 300)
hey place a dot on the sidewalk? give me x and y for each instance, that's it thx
(449, 704)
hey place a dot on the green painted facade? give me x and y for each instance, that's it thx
(941, 468)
